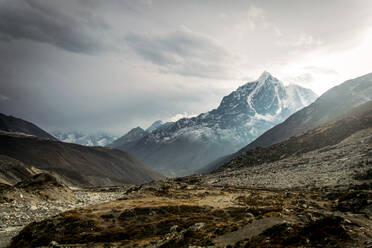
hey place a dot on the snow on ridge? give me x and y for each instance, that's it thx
(294, 90)
(98, 139)
(237, 119)
(265, 75)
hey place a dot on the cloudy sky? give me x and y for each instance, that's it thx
(112, 65)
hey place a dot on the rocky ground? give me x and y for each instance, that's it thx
(17, 214)
(320, 198)
(188, 212)
(340, 164)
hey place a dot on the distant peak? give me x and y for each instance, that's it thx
(158, 122)
(265, 75)
(263, 79)
(138, 129)
(154, 126)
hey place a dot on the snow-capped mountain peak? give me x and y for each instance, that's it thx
(260, 97)
(264, 75)
(242, 116)
(267, 98)
(96, 139)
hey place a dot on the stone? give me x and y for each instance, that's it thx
(197, 226)
(53, 244)
(174, 228)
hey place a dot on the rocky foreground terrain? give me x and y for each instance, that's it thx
(188, 212)
(16, 214)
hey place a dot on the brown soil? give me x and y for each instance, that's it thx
(183, 212)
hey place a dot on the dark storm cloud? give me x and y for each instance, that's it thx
(156, 59)
(183, 52)
(46, 22)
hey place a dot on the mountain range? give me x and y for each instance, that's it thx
(181, 147)
(26, 150)
(330, 106)
(76, 164)
(96, 139)
(335, 153)
(246, 116)
(154, 126)
(128, 140)
(305, 182)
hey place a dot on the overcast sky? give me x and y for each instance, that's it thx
(113, 65)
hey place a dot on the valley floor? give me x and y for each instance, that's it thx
(189, 212)
(320, 198)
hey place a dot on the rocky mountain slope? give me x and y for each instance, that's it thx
(328, 107)
(13, 124)
(183, 146)
(97, 139)
(336, 153)
(154, 126)
(128, 140)
(78, 164)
